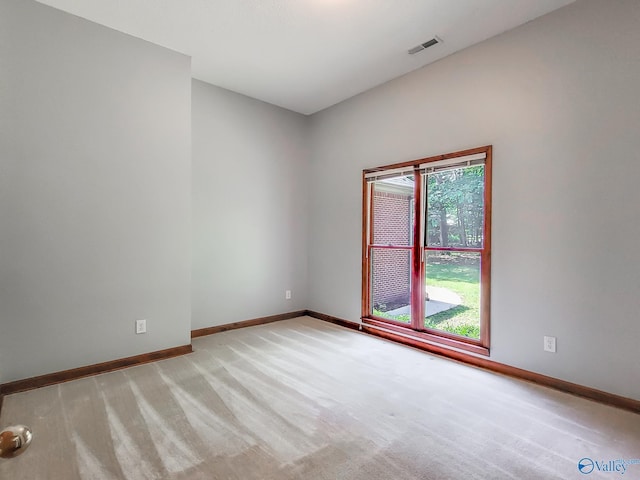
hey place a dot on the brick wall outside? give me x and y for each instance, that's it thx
(391, 268)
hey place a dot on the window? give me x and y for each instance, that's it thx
(426, 248)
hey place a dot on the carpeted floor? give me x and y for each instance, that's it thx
(304, 399)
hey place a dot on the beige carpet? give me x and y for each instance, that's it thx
(306, 399)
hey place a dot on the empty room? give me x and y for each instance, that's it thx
(319, 239)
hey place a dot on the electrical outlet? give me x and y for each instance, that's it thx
(287, 294)
(141, 326)
(550, 344)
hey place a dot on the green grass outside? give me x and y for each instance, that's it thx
(459, 272)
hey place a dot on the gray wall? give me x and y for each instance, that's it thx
(94, 193)
(559, 100)
(249, 203)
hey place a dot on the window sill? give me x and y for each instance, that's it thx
(423, 340)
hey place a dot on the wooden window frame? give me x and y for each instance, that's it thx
(418, 249)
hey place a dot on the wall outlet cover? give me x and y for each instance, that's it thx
(141, 326)
(550, 344)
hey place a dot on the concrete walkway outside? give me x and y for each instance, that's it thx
(440, 300)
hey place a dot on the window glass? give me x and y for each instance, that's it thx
(455, 208)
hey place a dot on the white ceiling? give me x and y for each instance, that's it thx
(306, 55)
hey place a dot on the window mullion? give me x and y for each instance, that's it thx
(417, 280)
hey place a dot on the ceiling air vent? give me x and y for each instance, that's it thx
(422, 46)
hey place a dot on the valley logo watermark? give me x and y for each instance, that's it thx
(587, 465)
